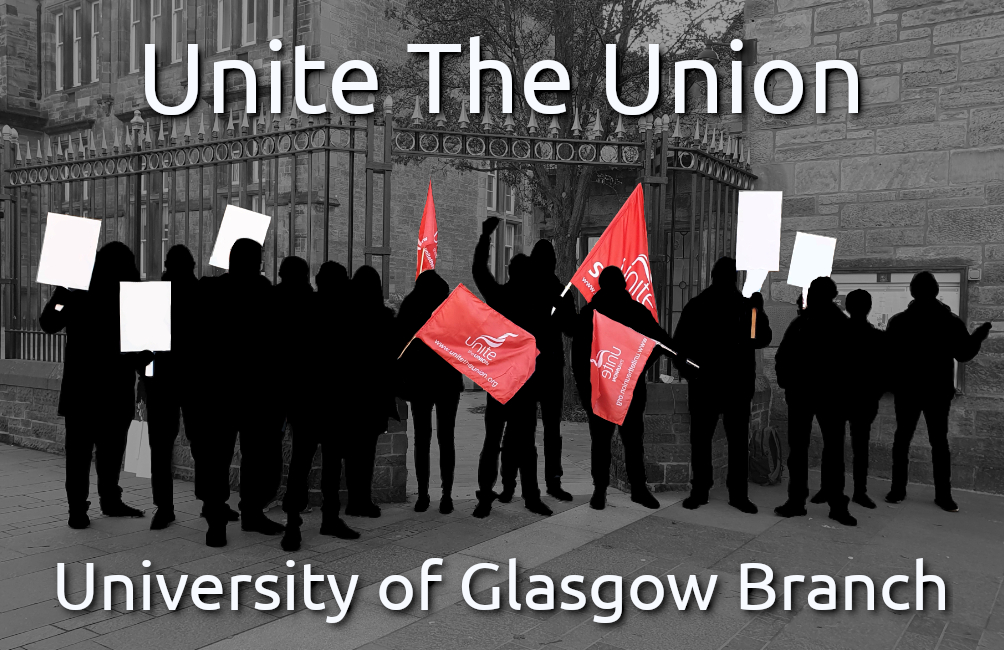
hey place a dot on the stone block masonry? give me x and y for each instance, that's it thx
(914, 180)
(29, 394)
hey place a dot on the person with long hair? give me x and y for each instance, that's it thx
(97, 396)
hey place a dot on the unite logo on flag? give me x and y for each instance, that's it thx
(614, 374)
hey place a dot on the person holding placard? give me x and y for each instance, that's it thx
(169, 390)
(615, 302)
(240, 396)
(718, 331)
(812, 368)
(97, 395)
(927, 340)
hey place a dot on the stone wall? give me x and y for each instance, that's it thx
(29, 394)
(914, 180)
(667, 438)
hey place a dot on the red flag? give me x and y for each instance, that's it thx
(428, 236)
(618, 358)
(481, 343)
(623, 244)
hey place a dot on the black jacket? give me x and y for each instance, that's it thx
(621, 307)
(869, 362)
(423, 374)
(925, 339)
(811, 362)
(714, 332)
(520, 301)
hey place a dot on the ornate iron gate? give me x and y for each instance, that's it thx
(156, 184)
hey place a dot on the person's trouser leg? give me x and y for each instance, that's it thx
(421, 417)
(261, 437)
(551, 396)
(833, 427)
(359, 468)
(907, 415)
(213, 458)
(301, 461)
(447, 405)
(861, 426)
(703, 422)
(79, 448)
(736, 420)
(164, 421)
(799, 433)
(936, 416)
(632, 434)
(495, 422)
(333, 452)
(519, 436)
(110, 446)
(600, 435)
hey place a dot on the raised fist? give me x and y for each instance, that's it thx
(489, 225)
(983, 331)
(757, 300)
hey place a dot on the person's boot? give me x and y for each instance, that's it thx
(334, 526)
(422, 504)
(78, 516)
(291, 537)
(556, 491)
(819, 497)
(370, 510)
(946, 502)
(744, 505)
(506, 495)
(790, 509)
(257, 522)
(483, 509)
(446, 505)
(895, 496)
(599, 499)
(119, 509)
(642, 496)
(537, 507)
(216, 536)
(232, 515)
(842, 516)
(695, 500)
(863, 500)
(162, 518)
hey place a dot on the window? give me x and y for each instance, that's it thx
(95, 33)
(78, 36)
(165, 239)
(156, 15)
(509, 198)
(135, 47)
(491, 188)
(223, 25)
(177, 30)
(59, 51)
(248, 31)
(275, 18)
(508, 250)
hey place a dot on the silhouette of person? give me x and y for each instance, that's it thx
(170, 394)
(510, 427)
(317, 393)
(241, 307)
(866, 349)
(614, 302)
(926, 339)
(715, 332)
(811, 365)
(549, 380)
(428, 381)
(97, 394)
(369, 350)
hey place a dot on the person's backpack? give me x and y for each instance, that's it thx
(765, 457)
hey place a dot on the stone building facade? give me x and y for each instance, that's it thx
(913, 181)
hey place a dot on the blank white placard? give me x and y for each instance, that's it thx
(758, 231)
(238, 223)
(68, 250)
(812, 258)
(145, 316)
(754, 281)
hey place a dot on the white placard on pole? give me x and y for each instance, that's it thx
(237, 223)
(68, 249)
(812, 258)
(758, 231)
(145, 316)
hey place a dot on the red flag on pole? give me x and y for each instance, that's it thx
(481, 343)
(618, 358)
(623, 244)
(428, 236)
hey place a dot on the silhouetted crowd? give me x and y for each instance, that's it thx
(247, 358)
